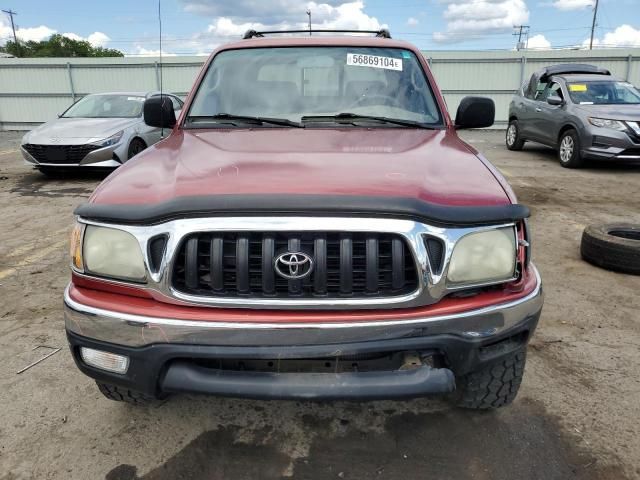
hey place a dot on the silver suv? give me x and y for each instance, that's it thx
(580, 110)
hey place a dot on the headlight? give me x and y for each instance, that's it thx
(606, 123)
(112, 253)
(112, 140)
(484, 257)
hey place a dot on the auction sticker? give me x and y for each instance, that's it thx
(363, 60)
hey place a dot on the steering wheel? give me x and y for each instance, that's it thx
(366, 99)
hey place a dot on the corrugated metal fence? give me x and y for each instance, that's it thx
(35, 90)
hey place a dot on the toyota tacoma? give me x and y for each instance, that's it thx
(312, 228)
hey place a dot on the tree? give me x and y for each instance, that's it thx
(58, 46)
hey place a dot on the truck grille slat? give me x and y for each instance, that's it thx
(320, 272)
(345, 265)
(242, 265)
(267, 272)
(397, 264)
(191, 263)
(372, 265)
(216, 264)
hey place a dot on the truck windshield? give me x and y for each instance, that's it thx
(346, 85)
(603, 93)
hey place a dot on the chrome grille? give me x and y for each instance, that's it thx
(346, 265)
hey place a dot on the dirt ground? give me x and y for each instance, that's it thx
(577, 415)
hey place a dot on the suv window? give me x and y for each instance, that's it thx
(540, 89)
(554, 89)
(293, 82)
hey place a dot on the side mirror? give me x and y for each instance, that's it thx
(555, 100)
(475, 112)
(158, 112)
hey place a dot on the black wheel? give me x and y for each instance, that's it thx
(120, 394)
(135, 147)
(569, 150)
(512, 138)
(612, 246)
(495, 385)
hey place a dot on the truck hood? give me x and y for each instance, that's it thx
(432, 166)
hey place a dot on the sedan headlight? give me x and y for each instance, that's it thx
(112, 140)
(112, 253)
(606, 123)
(484, 257)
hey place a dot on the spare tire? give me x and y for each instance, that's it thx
(614, 246)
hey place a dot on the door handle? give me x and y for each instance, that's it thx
(538, 109)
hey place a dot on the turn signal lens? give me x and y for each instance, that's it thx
(75, 247)
(111, 362)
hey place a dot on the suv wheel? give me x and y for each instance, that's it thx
(120, 394)
(569, 150)
(493, 386)
(513, 139)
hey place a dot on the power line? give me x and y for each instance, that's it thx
(593, 25)
(11, 13)
(522, 30)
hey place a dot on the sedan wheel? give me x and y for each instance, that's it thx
(135, 147)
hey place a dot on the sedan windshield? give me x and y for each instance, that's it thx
(106, 106)
(350, 86)
(604, 93)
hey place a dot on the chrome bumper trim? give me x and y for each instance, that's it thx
(136, 330)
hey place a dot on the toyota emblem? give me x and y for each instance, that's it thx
(293, 265)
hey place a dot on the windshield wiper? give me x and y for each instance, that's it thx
(350, 117)
(246, 119)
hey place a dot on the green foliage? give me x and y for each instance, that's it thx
(58, 46)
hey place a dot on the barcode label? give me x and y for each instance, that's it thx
(362, 60)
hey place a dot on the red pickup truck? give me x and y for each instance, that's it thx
(313, 228)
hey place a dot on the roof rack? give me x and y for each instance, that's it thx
(382, 33)
(572, 68)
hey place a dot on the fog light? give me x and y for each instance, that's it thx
(105, 360)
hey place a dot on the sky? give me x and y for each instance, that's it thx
(197, 26)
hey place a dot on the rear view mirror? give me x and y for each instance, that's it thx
(158, 112)
(475, 112)
(555, 100)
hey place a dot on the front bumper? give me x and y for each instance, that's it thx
(166, 355)
(106, 157)
(605, 144)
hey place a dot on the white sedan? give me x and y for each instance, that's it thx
(101, 130)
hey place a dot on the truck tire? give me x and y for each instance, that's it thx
(120, 394)
(493, 386)
(512, 137)
(613, 246)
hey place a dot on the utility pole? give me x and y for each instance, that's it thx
(593, 25)
(309, 13)
(11, 13)
(521, 30)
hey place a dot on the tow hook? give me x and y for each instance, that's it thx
(411, 361)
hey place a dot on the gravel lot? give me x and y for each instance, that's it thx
(576, 416)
